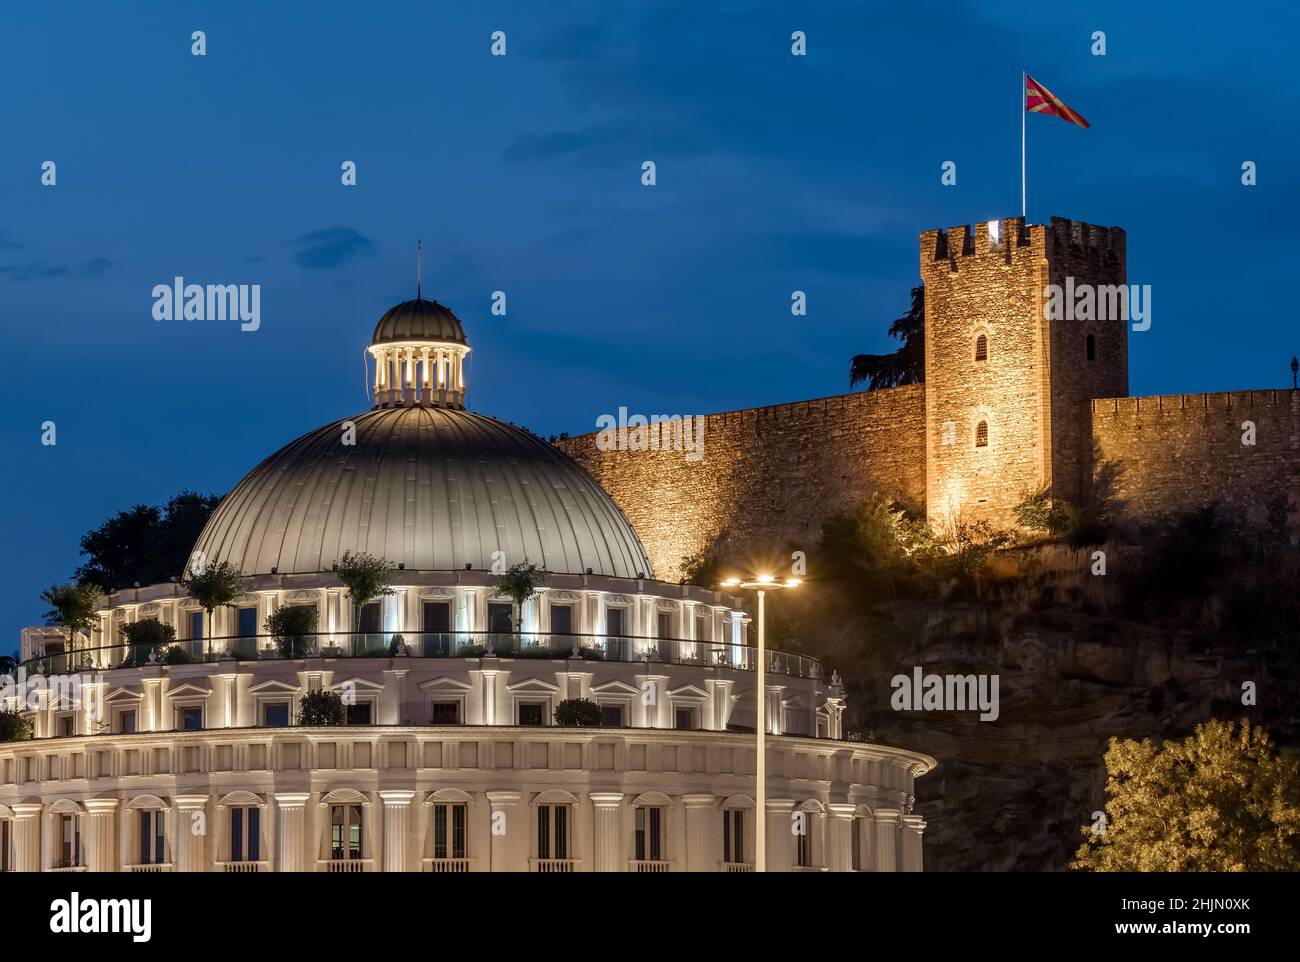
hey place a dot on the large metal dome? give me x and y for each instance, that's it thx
(418, 320)
(435, 488)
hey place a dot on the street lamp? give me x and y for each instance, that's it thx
(762, 584)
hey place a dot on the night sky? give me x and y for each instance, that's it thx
(523, 174)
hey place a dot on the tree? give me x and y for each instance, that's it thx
(73, 606)
(14, 727)
(320, 708)
(366, 578)
(1218, 801)
(519, 583)
(292, 627)
(145, 544)
(213, 585)
(582, 712)
(904, 366)
(147, 637)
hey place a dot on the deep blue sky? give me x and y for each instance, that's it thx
(522, 173)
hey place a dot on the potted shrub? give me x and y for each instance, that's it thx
(320, 708)
(292, 627)
(212, 586)
(366, 578)
(147, 638)
(519, 583)
(582, 712)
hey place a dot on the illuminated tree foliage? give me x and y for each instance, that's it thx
(1218, 801)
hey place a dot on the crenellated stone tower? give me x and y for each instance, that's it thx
(1005, 386)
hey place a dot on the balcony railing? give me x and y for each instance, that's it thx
(554, 864)
(446, 864)
(349, 865)
(244, 866)
(149, 867)
(647, 865)
(429, 644)
(735, 866)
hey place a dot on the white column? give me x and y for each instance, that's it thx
(506, 847)
(99, 834)
(839, 838)
(191, 832)
(887, 821)
(291, 812)
(701, 816)
(397, 828)
(913, 830)
(780, 838)
(607, 848)
(27, 837)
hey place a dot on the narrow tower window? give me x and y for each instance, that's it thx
(982, 348)
(1091, 348)
(982, 434)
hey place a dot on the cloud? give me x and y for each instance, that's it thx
(96, 266)
(331, 247)
(33, 271)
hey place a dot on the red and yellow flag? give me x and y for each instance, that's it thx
(1040, 100)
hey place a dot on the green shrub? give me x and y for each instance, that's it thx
(177, 656)
(320, 708)
(471, 651)
(14, 727)
(577, 711)
(147, 637)
(293, 628)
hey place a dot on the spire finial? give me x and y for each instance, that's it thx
(419, 246)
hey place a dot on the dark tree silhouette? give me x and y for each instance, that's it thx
(146, 544)
(904, 366)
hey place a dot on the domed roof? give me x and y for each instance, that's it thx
(436, 488)
(419, 320)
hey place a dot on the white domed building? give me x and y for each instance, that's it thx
(190, 759)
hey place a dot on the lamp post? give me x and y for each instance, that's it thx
(762, 584)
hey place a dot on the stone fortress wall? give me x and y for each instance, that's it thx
(1056, 415)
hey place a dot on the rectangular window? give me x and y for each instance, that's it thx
(67, 726)
(803, 845)
(733, 835)
(665, 623)
(247, 623)
(372, 618)
(649, 834)
(126, 723)
(500, 618)
(189, 719)
(449, 831)
(152, 841)
(562, 619)
(70, 835)
(6, 846)
(196, 625)
(684, 719)
(611, 716)
(532, 714)
(359, 714)
(614, 621)
(855, 849)
(446, 713)
(345, 832)
(276, 716)
(552, 831)
(702, 628)
(437, 629)
(245, 834)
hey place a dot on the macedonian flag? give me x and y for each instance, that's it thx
(1040, 100)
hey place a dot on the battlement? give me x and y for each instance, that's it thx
(1215, 401)
(998, 237)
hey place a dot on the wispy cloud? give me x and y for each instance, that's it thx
(32, 271)
(331, 247)
(96, 266)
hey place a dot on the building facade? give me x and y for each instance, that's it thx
(188, 755)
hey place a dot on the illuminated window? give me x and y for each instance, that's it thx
(449, 830)
(152, 837)
(245, 833)
(981, 348)
(345, 833)
(733, 835)
(1092, 348)
(649, 833)
(982, 434)
(552, 831)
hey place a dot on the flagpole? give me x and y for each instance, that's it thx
(1023, 101)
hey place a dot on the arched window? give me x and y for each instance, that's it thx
(1091, 348)
(981, 348)
(982, 434)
